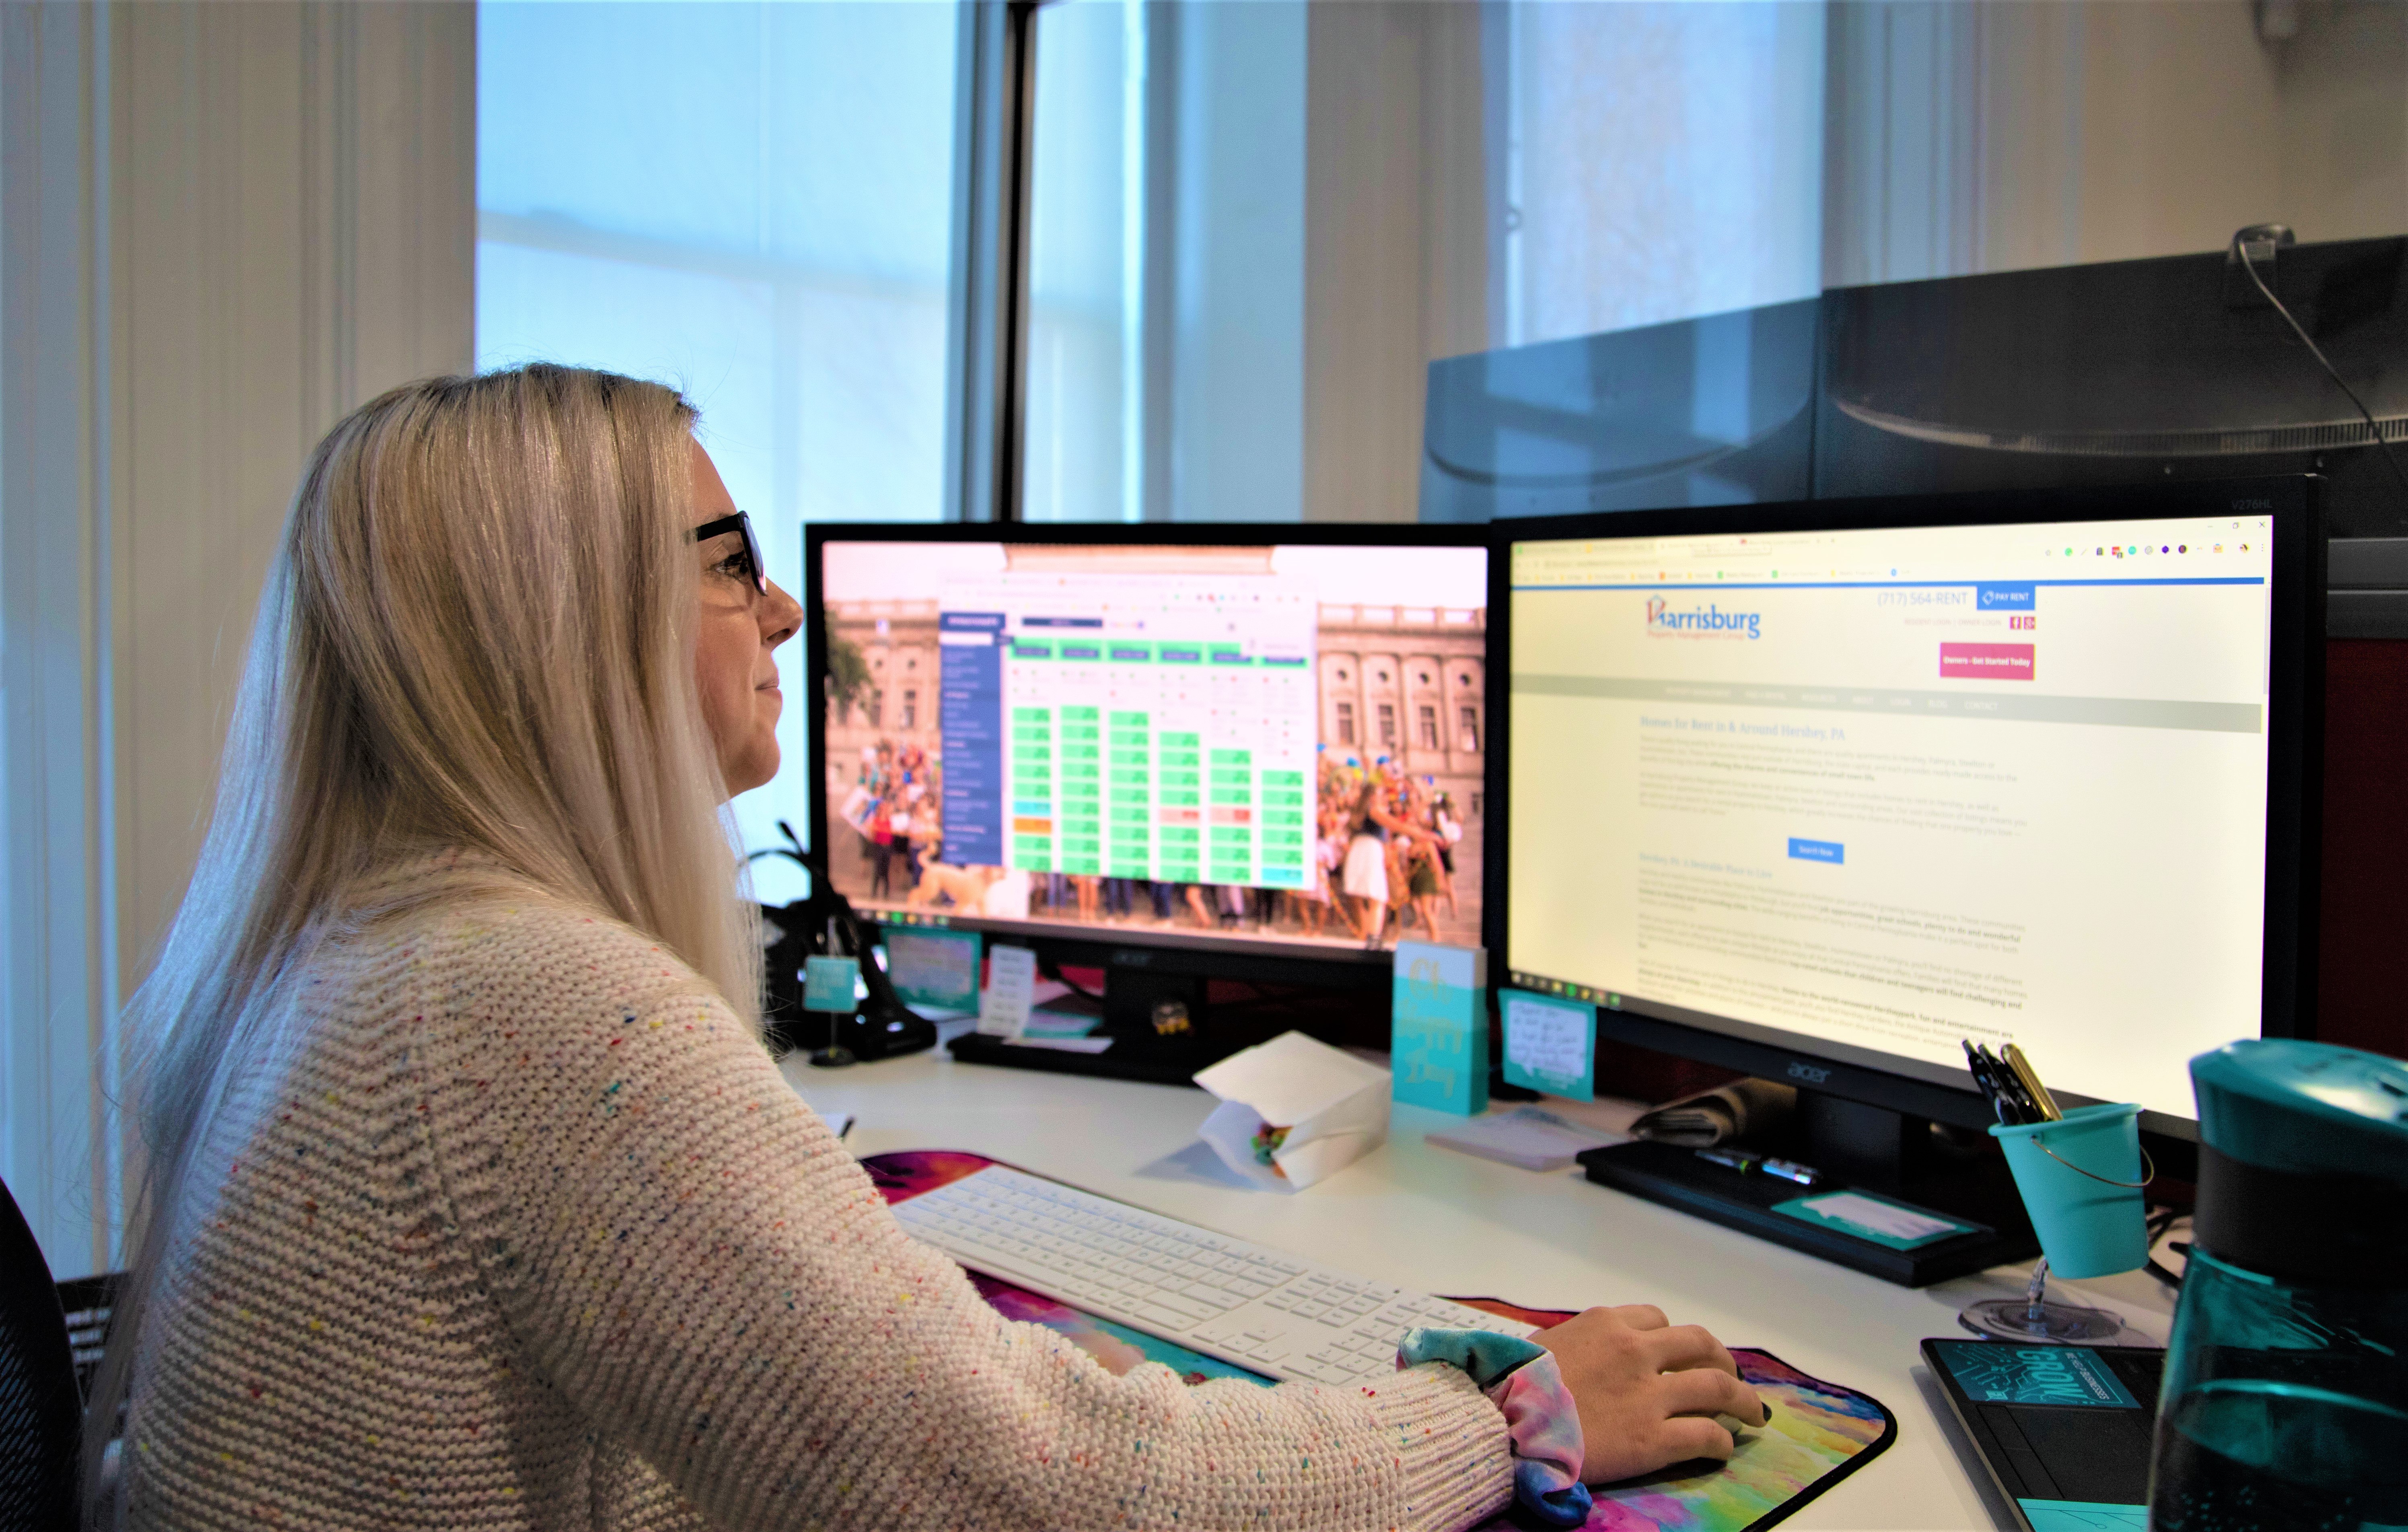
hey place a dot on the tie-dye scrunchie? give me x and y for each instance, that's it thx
(1520, 1377)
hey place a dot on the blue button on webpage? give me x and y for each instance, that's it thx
(1817, 851)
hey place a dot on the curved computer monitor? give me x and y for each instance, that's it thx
(1816, 791)
(1143, 748)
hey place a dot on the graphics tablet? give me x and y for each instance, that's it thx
(2064, 1430)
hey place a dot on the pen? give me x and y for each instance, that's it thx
(2026, 1110)
(1987, 1078)
(2030, 1078)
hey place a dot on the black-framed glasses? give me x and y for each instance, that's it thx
(742, 523)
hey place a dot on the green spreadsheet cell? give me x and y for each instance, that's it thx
(1130, 721)
(1085, 734)
(1031, 715)
(1174, 835)
(1082, 866)
(1088, 849)
(1284, 778)
(1130, 776)
(1179, 778)
(1232, 835)
(1232, 872)
(1082, 752)
(1233, 795)
(1081, 770)
(1172, 798)
(1282, 837)
(1025, 735)
(1131, 811)
(1031, 845)
(1128, 758)
(1233, 758)
(1189, 741)
(1033, 752)
(1180, 872)
(1282, 816)
(1037, 863)
(1129, 870)
(1222, 777)
(1084, 715)
(1131, 739)
(1276, 858)
(1284, 799)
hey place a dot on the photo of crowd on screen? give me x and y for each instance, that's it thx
(1396, 849)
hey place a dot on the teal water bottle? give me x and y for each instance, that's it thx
(2286, 1396)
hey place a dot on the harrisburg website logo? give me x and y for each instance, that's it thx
(1708, 622)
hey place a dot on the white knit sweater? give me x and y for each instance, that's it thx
(531, 1233)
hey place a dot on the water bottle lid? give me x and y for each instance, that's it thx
(2303, 1160)
(2304, 1108)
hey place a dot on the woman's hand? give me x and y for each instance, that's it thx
(1648, 1391)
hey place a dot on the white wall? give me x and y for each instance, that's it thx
(244, 220)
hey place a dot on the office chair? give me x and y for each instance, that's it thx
(41, 1410)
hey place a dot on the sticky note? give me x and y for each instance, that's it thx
(1439, 1027)
(935, 968)
(1550, 1044)
(830, 983)
(1874, 1219)
(1009, 993)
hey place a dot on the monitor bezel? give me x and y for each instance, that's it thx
(1256, 960)
(2295, 753)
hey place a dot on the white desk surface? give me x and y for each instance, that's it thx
(1446, 1222)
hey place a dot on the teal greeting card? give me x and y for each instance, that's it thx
(935, 968)
(1550, 1044)
(830, 983)
(1438, 1041)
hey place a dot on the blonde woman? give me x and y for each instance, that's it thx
(474, 1198)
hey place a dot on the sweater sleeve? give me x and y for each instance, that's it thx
(694, 1264)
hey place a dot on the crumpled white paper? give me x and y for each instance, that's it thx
(1334, 1106)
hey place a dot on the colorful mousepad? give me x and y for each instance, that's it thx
(1818, 1434)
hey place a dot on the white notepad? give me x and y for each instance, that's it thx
(1529, 1136)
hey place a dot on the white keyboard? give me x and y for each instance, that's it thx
(1258, 1307)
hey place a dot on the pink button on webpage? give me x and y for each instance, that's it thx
(1986, 661)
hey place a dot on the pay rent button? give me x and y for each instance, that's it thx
(2004, 595)
(1817, 851)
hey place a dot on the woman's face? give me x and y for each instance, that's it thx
(733, 669)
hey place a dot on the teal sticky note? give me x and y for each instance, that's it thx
(1875, 1219)
(829, 983)
(1438, 1034)
(935, 968)
(1550, 1044)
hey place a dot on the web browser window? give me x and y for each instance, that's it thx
(1200, 743)
(1887, 790)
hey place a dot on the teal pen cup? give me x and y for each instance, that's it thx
(2081, 1182)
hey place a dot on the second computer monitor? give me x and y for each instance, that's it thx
(1217, 740)
(1855, 781)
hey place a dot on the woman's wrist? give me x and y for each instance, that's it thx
(1521, 1377)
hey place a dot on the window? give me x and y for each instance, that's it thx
(877, 708)
(1345, 722)
(1661, 162)
(1166, 253)
(753, 202)
(1387, 725)
(911, 719)
(1469, 728)
(1427, 717)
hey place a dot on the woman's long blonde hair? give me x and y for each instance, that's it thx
(476, 633)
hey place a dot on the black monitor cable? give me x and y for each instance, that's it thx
(2239, 252)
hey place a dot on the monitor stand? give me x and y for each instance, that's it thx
(1957, 1173)
(1140, 1049)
